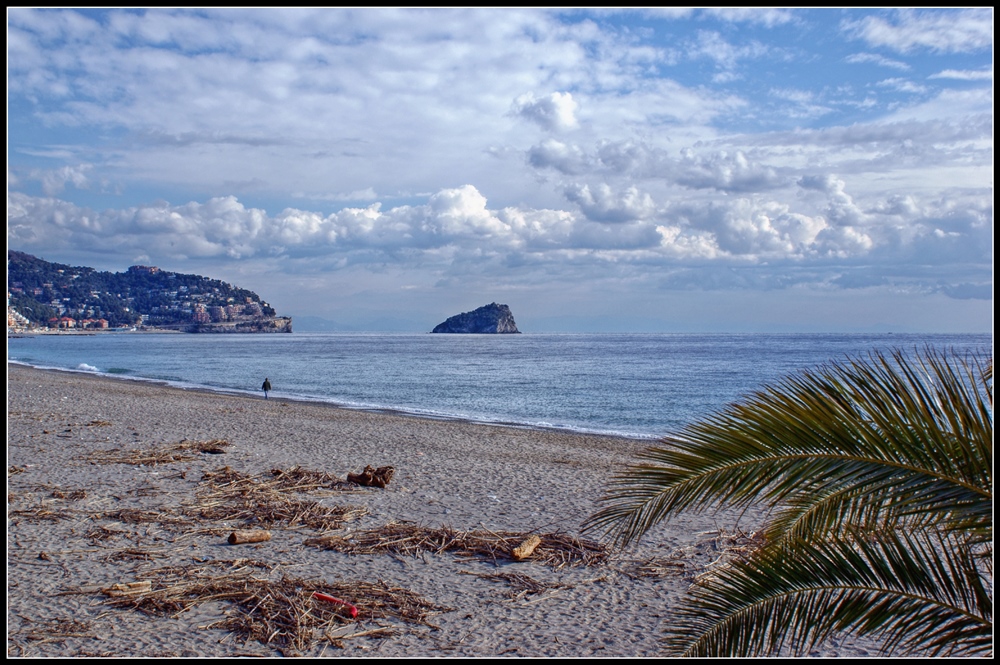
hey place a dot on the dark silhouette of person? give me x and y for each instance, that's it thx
(266, 386)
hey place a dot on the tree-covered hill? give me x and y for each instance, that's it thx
(42, 291)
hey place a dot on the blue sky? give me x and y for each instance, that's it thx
(667, 170)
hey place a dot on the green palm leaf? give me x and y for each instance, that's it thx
(918, 591)
(852, 443)
(879, 477)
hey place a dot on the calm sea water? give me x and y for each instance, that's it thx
(633, 385)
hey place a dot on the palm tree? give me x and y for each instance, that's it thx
(880, 479)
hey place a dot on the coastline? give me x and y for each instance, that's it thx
(83, 516)
(320, 402)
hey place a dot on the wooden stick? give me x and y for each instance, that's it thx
(251, 536)
(525, 549)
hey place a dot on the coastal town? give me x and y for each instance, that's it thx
(49, 297)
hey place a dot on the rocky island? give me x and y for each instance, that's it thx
(488, 319)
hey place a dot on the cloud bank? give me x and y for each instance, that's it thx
(608, 157)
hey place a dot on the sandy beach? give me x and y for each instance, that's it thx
(114, 483)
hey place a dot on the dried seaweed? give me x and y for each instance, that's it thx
(69, 495)
(137, 516)
(232, 496)
(136, 457)
(104, 533)
(40, 514)
(303, 480)
(182, 451)
(521, 585)
(280, 613)
(732, 546)
(57, 630)
(659, 567)
(132, 554)
(555, 549)
(213, 446)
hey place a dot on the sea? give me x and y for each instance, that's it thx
(638, 386)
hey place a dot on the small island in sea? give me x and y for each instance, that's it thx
(488, 319)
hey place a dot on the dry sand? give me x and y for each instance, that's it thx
(69, 537)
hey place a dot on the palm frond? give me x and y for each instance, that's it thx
(850, 443)
(918, 592)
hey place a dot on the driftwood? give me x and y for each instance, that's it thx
(249, 536)
(128, 589)
(525, 549)
(379, 477)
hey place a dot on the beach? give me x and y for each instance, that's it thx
(120, 489)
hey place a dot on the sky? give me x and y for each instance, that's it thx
(619, 170)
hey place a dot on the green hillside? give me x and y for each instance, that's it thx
(142, 295)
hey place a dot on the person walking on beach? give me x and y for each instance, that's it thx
(266, 386)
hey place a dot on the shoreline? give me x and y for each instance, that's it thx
(646, 440)
(91, 506)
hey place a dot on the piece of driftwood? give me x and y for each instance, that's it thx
(379, 477)
(526, 549)
(128, 588)
(249, 536)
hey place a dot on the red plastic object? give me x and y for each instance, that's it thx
(337, 601)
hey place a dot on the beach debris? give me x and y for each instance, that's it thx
(139, 516)
(213, 447)
(727, 547)
(182, 451)
(379, 477)
(553, 549)
(521, 585)
(658, 567)
(526, 548)
(351, 609)
(232, 496)
(281, 613)
(70, 495)
(43, 513)
(132, 554)
(128, 588)
(249, 536)
(102, 533)
(304, 480)
(53, 630)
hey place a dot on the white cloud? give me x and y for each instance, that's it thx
(952, 31)
(55, 180)
(901, 85)
(568, 159)
(876, 59)
(555, 112)
(712, 45)
(763, 15)
(601, 204)
(964, 75)
(726, 172)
